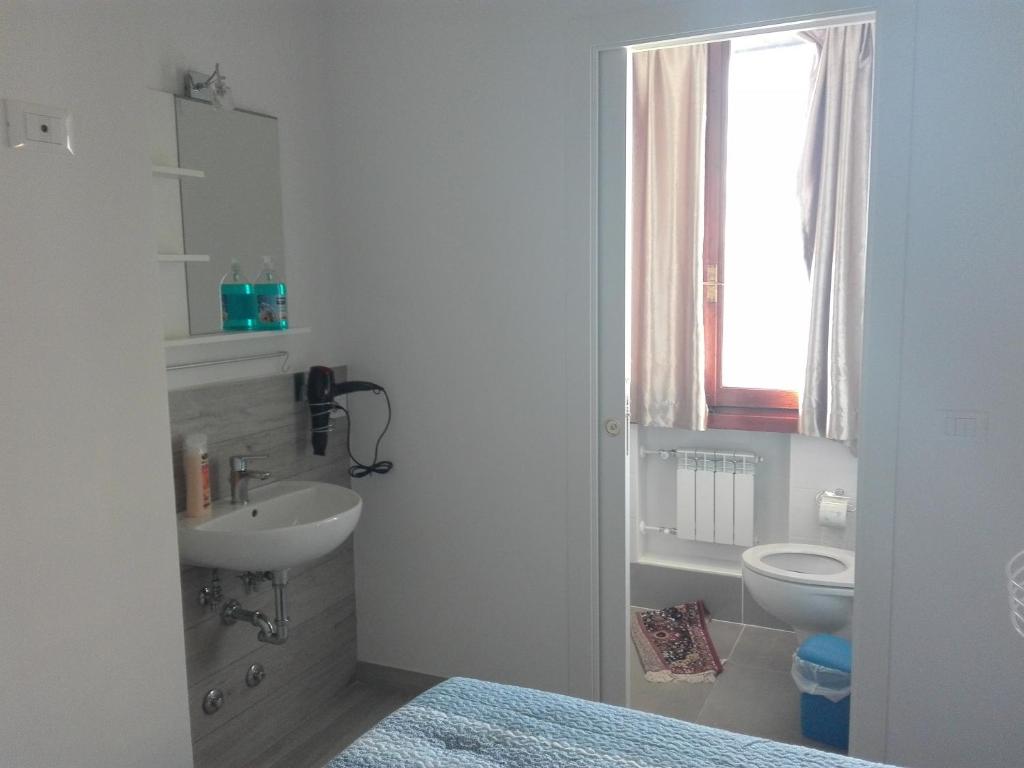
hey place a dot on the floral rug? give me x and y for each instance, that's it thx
(674, 644)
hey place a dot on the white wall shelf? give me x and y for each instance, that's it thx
(216, 338)
(173, 172)
(182, 257)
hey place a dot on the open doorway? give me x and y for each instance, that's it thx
(600, 556)
(740, 434)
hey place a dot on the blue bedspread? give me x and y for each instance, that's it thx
(471, 724)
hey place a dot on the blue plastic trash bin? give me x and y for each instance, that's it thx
(822, 671)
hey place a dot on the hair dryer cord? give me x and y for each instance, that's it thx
(377, 466)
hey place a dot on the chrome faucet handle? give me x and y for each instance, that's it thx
(241, 463)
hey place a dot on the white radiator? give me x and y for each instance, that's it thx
(714, 496)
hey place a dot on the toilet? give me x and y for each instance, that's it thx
(808, 586)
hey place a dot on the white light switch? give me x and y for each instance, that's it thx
(37, 125)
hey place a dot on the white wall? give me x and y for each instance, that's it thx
(440, 223)
(957, 669)
(92, 655)
(815, 465)
(451, 176)
(93, 659)
(450, 207)
(463, 295)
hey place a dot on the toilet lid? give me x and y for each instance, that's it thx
(802, 564)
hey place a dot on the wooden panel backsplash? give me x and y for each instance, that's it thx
(261, 416)
(253, 416)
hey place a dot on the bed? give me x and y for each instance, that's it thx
(464, 723)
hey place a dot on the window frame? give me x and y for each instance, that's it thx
(762, 410)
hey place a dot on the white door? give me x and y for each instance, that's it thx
(612, 356)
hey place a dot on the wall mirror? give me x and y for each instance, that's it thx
(235, 212)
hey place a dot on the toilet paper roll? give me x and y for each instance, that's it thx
(832, 511)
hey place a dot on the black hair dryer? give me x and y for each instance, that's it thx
(321, 390)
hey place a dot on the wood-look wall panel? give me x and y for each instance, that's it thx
(321, 637)
(261, 416)
(228, 410)
(193, 579)
(253, 416)
(243, 741)
(288, 456)
(211, 645)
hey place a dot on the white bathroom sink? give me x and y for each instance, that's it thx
(283, 524)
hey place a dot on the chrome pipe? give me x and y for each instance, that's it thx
(225, 361)
(647, 528)
(280, 634)
(265, 625)
(713, 455)
(274, 632)
(233, 611)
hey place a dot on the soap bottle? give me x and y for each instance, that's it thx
(271, 300)
(196, 462)
(237, 301)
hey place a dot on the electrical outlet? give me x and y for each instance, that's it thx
(38, 126)
(969, 426)
(45, 129)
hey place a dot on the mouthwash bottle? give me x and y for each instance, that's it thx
(237, 301)
(271, 300)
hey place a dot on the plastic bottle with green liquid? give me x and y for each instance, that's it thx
(237, 300)
(271, 300)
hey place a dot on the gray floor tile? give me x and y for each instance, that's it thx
(755, 701)
(353, 711)
(677, 699)
(724, 635)
(755, 694)
(766, 648)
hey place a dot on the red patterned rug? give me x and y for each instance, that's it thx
(674, 644)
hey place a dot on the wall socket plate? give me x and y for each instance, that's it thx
(967, 426)
(38, 126)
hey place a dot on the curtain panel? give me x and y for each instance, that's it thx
(668, 172)
(834, 204)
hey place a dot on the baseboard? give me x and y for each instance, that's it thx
(393, 677)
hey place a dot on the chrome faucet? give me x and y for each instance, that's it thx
(240, 474)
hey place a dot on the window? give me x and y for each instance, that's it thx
(757, 292)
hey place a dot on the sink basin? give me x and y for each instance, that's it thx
(284, 524)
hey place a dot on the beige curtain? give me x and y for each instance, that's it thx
(669, 110)
(834, 201)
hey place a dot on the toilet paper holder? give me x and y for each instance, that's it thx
(837, 495)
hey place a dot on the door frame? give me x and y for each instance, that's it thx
(595, 640)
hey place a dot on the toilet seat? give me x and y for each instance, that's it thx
(810, 564)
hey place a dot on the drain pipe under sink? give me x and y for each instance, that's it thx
(274, 632)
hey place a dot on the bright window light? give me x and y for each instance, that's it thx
(766, 301)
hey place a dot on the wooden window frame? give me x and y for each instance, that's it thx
(761, 410)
